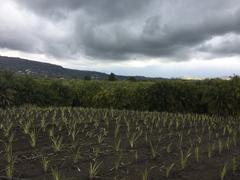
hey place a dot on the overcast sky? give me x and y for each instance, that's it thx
(167, 38)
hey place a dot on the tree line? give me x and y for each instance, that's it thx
(214, 96)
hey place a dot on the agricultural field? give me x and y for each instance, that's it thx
(77, 143)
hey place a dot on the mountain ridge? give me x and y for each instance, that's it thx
(25, 66)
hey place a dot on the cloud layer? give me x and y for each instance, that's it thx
(119, 30)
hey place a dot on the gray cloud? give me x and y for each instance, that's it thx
(222, 45)
(120, 30)
(105, 10)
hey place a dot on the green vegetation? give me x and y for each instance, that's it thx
(112, 129)
(112, 77)
(216, 96)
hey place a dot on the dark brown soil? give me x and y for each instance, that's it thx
(161, 129)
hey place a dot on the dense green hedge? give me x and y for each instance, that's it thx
(208, 96)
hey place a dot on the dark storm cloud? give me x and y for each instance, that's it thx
(98, 9)
(123, 29)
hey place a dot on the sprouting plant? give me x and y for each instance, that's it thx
(100, 138)
(146, 137)
(146, 172)
(7, 128)
(77, 155)
(209, 151)
(196, 151)
(211, 148)
(209, 133)
(96, 152)
(128, 125)
(169, 169)
(96, 124)
(89, 134)
(117, 144)
(220, 146)
(153, 150)
(57, 143)
(180, 135)
(45, 163)
(56, 174)
(234, 140)
(74, 133)
(228, 143)
(8, 152)
(116, 131)
(10, 167)
(132, 139)
(223, 172)
(160, 137)
(43, 124)
(26, 126)
(11, 137)
(117, 162)
(234, 164)
(199, 139)
(184, 158)
(104, 132)
(168, 148)
(94, 169)
(10, 158)
(136, 155)
(33, 138)
(51, 132)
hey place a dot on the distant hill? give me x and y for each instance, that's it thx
(24, 66)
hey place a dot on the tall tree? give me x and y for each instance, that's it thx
(112, 77)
